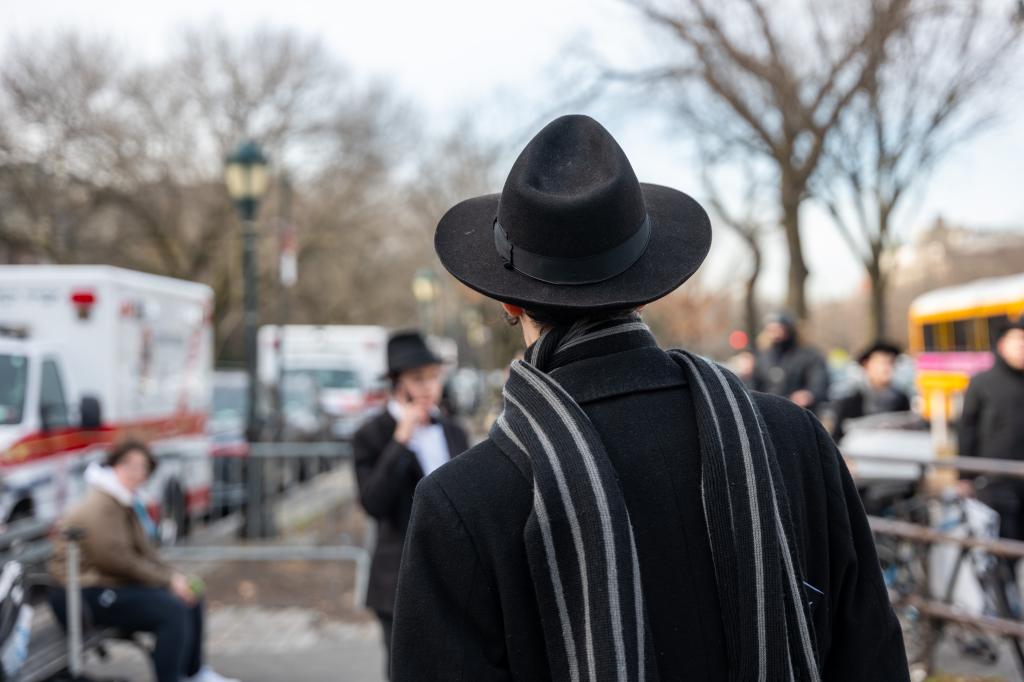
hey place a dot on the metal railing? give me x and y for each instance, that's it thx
(921, 537)
(283, 502)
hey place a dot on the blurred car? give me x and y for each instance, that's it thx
(229, 448)
(345, 396)
(304, 418)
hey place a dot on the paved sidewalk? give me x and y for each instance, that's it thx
(257, 644)
(270, 645)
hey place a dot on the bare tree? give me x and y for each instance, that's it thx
(106, 160)
(57, 117)
(771, 81)
(695, 316)
(458, 165)
(751, 218)
(939, 87)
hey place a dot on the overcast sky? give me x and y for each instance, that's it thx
(453, 57)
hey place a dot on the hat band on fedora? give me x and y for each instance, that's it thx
(573, 270)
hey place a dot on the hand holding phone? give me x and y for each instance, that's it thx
(413, 415)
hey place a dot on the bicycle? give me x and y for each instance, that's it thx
(908, 567)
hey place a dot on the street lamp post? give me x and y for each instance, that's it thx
(425, 288)
(245, 175)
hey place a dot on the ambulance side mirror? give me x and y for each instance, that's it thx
(46, 418)
(90, 412)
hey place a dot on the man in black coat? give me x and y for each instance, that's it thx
(790, 368)
(877, 395)
(394, 450)
(509, 572)
(991, 426)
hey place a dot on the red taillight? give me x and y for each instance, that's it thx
(374, 398)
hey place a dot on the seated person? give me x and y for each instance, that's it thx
(125, 584)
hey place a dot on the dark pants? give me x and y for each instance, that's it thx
(178, 627)
(386, 621)
(1006, 496)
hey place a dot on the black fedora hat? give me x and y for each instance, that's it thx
(879, 346)
(407, 350)
(573, 229)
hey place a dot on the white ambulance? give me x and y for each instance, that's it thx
(346, 363)
(93, 354)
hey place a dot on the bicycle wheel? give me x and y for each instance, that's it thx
(904, 571)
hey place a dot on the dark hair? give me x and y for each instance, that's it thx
(550, 318)
(128, 445)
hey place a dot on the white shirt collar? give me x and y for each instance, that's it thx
(428, 441)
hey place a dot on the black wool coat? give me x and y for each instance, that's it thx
(466, 606)
(785, 369)
(991, 424)
(857, 405)
(387, 473)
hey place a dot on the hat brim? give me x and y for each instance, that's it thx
(422, 361)
(679, 243)
(881, 347)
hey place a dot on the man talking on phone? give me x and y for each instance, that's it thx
(393, 451)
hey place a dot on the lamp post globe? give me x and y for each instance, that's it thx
(425, 286)
(245, 174)
(426, 289)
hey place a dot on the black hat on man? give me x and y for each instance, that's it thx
(407, 350)
(1008, 327)
(573, 229)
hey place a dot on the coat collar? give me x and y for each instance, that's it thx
(630, 364)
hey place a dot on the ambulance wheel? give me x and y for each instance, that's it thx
(173, 517)
(22, 511)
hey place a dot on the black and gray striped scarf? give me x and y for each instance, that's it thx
(580, 542)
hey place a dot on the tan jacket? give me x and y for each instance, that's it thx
(115, 549)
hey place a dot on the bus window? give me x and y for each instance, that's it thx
(995, 325)
(963, 339)
(929, 337)
(944, 336)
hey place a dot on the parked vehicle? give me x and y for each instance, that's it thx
(305, 420)
(345, 361)
(91, 354)
(229, 447)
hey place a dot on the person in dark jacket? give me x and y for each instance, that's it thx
(634, 514)
(394, 450)
(877, 395)
(788, 367)
(991, 426)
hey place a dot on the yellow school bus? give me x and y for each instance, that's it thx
(951, 334)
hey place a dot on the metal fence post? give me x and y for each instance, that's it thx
(74, 602)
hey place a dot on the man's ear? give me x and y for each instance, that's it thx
(513, 310)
